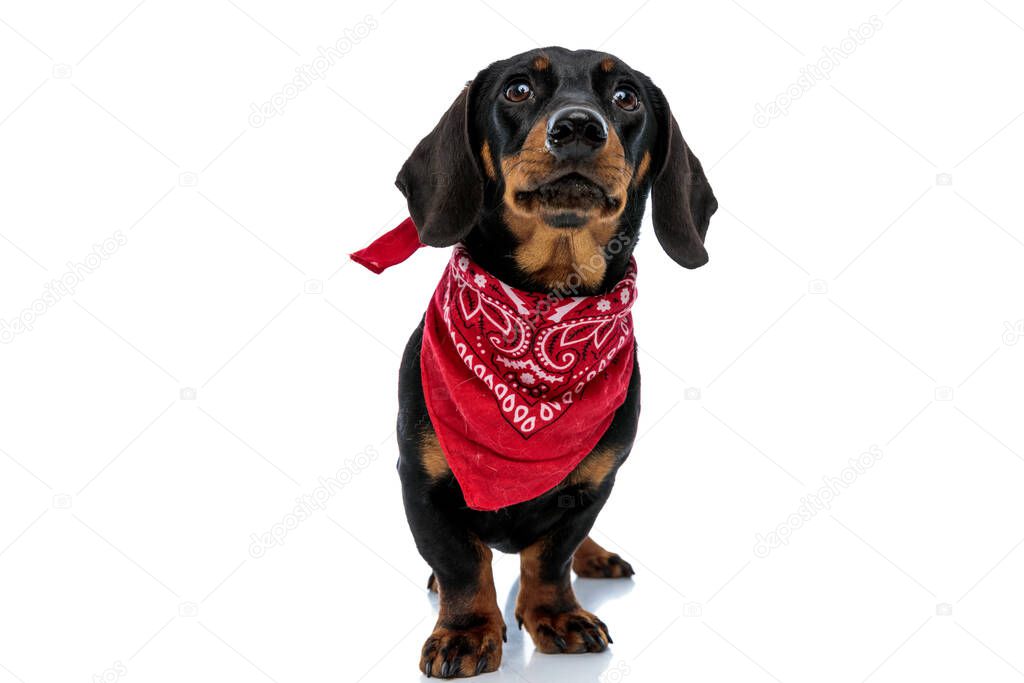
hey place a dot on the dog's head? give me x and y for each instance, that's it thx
(548, 158)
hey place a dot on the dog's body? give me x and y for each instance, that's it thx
(541, 163)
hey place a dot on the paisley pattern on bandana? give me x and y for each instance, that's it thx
(520, 386)
(535, 353)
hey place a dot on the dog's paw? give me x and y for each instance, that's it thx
(463, 652)
(604, 565)
(571, 631)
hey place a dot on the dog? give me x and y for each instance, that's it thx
(539, 173)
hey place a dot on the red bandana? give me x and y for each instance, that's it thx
(520, 386)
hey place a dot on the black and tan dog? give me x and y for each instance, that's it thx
(541, 161)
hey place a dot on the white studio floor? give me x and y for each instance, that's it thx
(827, 483)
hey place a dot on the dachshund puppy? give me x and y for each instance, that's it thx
(519, 393)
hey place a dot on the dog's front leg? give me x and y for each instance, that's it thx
(467, 637)
(470, 629)
(547, 606)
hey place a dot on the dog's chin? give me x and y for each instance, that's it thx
(567, 220)
(567, 202)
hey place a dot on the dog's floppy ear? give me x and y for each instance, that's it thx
(682, 197)
(441, 180)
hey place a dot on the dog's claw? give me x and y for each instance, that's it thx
(481, 665)
(607, 634)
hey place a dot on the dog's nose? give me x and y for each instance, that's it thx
(576, 133)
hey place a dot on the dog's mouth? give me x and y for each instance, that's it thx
(571, 193)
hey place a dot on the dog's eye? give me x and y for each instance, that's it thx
(518, 91)
(626, 98)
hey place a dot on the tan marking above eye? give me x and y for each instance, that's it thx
(607, 64)
(541, 63)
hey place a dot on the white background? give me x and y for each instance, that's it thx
(854, 298)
